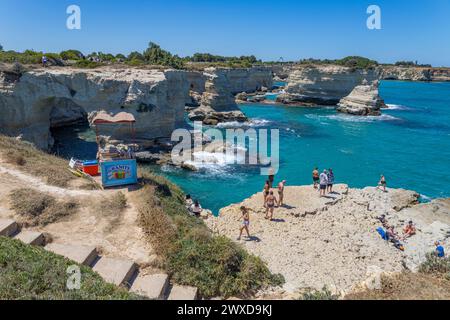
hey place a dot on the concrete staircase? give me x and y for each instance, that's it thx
(120, 272)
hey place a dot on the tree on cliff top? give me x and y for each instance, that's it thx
(155, 55)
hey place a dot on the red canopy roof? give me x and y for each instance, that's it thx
(122, 117)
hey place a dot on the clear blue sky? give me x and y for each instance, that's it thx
(293, 29)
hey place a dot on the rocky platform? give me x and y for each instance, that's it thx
(316, 242)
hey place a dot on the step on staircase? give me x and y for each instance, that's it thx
(116, 271)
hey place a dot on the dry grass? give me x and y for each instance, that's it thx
(112, 208)
(38, 208)
(36, 162)
(157, 226)
(407, 286)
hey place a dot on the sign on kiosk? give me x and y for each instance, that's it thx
(117, 173)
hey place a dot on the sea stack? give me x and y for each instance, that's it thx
(364, 100)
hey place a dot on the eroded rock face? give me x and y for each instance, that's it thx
(364, 100)
(59, 96)
(415, 73)
(324, 85)
(316, 242)
(218, 103)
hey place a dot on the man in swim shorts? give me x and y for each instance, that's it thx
(315, 177)
(323, 180)
(281, 186)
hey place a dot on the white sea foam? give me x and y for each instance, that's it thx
(396, 107)
(235, 124)
(351, 118)
(425, 198)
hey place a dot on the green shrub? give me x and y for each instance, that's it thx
(30, 273)
(86, 64)
(435, 265)
(192, 254)
(323, 294)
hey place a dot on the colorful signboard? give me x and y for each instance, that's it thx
(118, 173)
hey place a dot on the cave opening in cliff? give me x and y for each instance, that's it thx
(69, 127)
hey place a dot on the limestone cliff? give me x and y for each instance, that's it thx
(323, 84)
(218, 103)
(35, 101)
(415, 73)
(217, 87)
(364, 100)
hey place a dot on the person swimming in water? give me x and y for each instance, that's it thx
(281, 186)
(245, 222)
(315, 177)
(270, 205)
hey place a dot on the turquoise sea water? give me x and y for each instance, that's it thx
(409, 144)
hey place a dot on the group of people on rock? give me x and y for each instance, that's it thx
(324, 181)
(389, 234)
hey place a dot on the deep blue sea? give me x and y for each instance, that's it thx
(409, 144)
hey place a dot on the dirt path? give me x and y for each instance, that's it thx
(37, 183)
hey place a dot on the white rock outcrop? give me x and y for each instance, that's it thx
(35, 101)
(315, 242)
(364, 100)
(323, 84)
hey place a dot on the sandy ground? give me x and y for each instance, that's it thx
(316, 242)
(117, 236)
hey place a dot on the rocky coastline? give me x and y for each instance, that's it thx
(332, 241)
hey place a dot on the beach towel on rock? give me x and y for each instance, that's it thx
(382, 233)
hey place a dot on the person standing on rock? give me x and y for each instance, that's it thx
(281, 186)
(382, 183)
(315, 177)
(245, 222)
(330, 176)
(271, 177)
(270, 205)
(323, 181)
(266, 191)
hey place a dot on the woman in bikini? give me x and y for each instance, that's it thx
(270, 205)
(245, 222)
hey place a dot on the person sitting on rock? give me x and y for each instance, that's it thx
(196, 208)
(188, 201)
(409, 230)
(245, 222)
(440, 252)
(393, 236)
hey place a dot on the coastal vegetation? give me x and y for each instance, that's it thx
(36, 162)
(30, 273)
(356, 62)
(190, 252)
(39, 208)
(432, 282)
